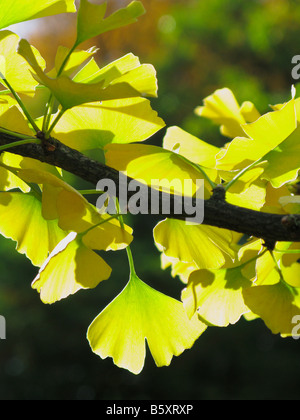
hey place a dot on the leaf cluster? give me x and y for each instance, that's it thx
(225, 275)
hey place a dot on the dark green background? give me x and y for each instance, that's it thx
(248, 47)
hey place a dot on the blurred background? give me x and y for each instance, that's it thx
(196, 46)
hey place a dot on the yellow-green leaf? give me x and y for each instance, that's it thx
(94, 125)
(265, 134)
(284, 161)
(70, 267)
(21, 220)
(205, 246)
(222, 108)
(91, 21)
(23, 10)
(216, 295)
(192, 148)
(70, 94)
(17, 70)
(276, 304)
(138, 313)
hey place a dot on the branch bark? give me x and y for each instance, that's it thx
(217, 212)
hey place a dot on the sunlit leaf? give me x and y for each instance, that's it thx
(21, 11)
(70, 94)
(223, 108)
(194, 149)
(216, 295)
(265, 134)
(91, 21)
(156, 167)
(138, 313)
(70, 267)
(21, 220)
(205, 246)
(77, 58)
(284, 161)
(276, 304)
(94, 125)
(14, 120)
(17, 70)
(290, 203)
(54, 190)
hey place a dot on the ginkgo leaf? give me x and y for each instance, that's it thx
(75, 61)
(93, 125)
(17, 70)
(127, 69)
(249, 112)
(10, 181)
(14, 120)
(290, 203)
(143, 161)
(273, 196)
(91, 21)
(291, 274)
(265, 134)
(18, 162)
(289, 264)
(252, 197)
(103, 233)
(24, 10)
(73, 212)
(194, 149)
(138, 313)
(276, 304)
(216, 295)
(70, 94)
(21, 220)
(223, 108)
(178, 268)
(284, 161)
(70, 267)
(91, 72)
(205, 246)
(54, 190)
(266, 270)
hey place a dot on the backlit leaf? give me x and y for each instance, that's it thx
(70, 267)
(21, 11)
(91, 21)
(216, 295)
(138, 313)
(21, 220)
(276, 304)
(94, 125)
(205, 246)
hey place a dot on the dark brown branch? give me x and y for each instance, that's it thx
(217, 212)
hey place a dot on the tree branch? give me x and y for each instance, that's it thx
(217, 212)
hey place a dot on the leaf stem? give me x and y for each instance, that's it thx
(23, 107)
(55, 121)
(131, 262)
(128, 249)
(288, 251)
(50, 103)
(252, 259)
(98, 224)
(230, 184)
(14, 134)
(277, 267)
(88, 192)
(20, 143)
